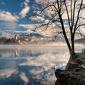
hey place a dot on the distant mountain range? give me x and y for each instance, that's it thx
(24, 37)
(20, 37)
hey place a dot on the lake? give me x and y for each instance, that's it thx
(31, 64)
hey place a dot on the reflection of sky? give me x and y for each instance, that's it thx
(7, 64)
(15, 57)
(31, 62)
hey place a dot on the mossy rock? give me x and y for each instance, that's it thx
(75, 81)
(70, 77)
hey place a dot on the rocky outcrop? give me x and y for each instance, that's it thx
(75, 75)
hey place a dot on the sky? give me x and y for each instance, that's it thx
(15, 13)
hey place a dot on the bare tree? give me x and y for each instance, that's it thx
(71, 9)
(57, 11)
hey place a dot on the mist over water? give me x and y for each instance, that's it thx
(34, 65)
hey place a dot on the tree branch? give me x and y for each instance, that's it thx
(67, 15)
(48, 7)
(78, 15)
(79, 26)
(73, 14)
(63, 28)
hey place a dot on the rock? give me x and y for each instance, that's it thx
(70, 77)
(77, 69)
(78, 61)
(58, 72)
(73, 65)
(62, 77)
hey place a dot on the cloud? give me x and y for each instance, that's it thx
(26, 2)
(25, 10)
(28, 26)
(6, 25)
(7, 21)
(38, 18)
(42, 1)
(50, 31)
(45, 2)
(7, 16)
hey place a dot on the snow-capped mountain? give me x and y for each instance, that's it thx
(27, 35)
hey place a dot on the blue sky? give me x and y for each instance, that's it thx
(12, 6)
(13, 13)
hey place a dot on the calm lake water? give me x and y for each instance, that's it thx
(31, 65)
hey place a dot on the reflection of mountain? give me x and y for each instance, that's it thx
(32, 61)
(16, 51)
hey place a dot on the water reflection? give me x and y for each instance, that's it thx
(33, 65)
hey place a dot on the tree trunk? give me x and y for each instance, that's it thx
(72, 45)
(72, 53)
